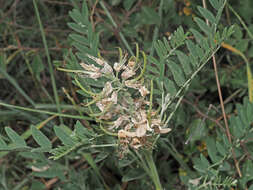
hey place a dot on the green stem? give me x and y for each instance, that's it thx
(45, 112)
(241, 21)
(16, 85)
(155, 35)
(51, 71)
(115, 25)
(152, 167)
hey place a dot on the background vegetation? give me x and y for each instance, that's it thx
(197, 154)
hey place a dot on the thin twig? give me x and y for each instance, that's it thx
(205, 116)
(222, 104)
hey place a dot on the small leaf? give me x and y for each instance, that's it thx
(149, 16)
(16, 139)
(159, 50)
(184, 62)
(78, 18)
(202, 25)
(77, 28)
(204, 162)
(40, 138)
(211, 149)
(215, 4)
(85, 10)
(37, 65)
(3, 143)
(221, 149)
(192, 48)
(170, 86)
(250, 112)
(166, 44)
(80, 130)
(177, 73)
(133, 174)
(80, 39)
(206, 14)
(128, 4)
(64, 137)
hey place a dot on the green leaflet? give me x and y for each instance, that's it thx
(207, 14)
(184, 62)
(63, 136)
(40, 138)
(203, 26)
(17, 140)
(177, 73)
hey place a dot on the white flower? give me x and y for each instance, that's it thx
(127, 73)
(97, 60)
(90, 67)
(107, 69)
(132, 84)
(144, 91)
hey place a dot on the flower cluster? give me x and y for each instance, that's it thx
(123, 105)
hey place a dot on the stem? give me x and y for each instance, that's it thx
(50, 65)
(152, 168)
(116, 26)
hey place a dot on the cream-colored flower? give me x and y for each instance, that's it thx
(135, 143)
(164, 130)
(107, 89)
(144, 91)
(132, 84)
(131, 64)
(119, 121)
(107, 69)
(127, 73)
(97, 60)
(94, 75)
(141, 130)
(118, 66)
(90, 67)
(114, 97)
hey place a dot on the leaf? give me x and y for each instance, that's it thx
(63, 136)
(204, 162)
(193, 50)
(250, 112)
(81, 20)
(133, 174)
(37, 65)
(82, 131)
(211, 149)
(221, 149)
(215, 4)
(3, 144)
(184, 62)
(202, 25)
(85, 11)
(149, 16)
(77, 28)
(177, 73)
(159, 50)
(80, 39)
(40, 138)
(207, 14)
(170, 86)
(166, 44)
(16, 139)
(128, 4)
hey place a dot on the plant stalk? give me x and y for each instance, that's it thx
(152, 168)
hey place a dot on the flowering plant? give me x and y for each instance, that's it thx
(124, 109)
